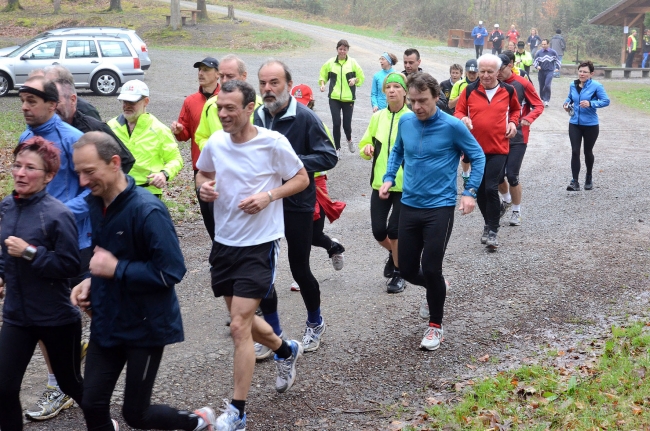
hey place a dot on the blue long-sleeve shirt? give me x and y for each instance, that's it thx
(547, 59)
(377, 96)
(592, 91)
(430, 150)
(479, 31)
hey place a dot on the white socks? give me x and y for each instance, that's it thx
(507, 197)
(516, 208)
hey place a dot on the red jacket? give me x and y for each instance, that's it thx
(190, 117)
(528, 98)
(489, 118)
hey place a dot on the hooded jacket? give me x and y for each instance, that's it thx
(381, 133)
(65, 185)
(592, 91)
(309, 140)
(38, 291)
(338, 73)
(138, 306)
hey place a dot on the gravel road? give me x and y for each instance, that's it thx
(577, 264)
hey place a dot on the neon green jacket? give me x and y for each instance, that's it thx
(381, 130)
(210, 122)
(523, 59)
(152, 144)
(338, 74)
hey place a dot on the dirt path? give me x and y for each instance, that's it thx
(577, 263)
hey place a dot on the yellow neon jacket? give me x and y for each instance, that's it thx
(152, 144)
(381, 133)
(210, 122)
(338, 74)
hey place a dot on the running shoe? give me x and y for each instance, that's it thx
(262, 352)
(287, 367)
(352, 146)
(432, 338)
(574, 186)
(116, 426)
(505, 206)
(336, 254)
(209, 419)
(546, 104)
(484, 235)
(424, 305)
(295, 287)
(492, 241)
(515, 219)
(49, 405)
(338, 154)
(588, 183)
(396, 284)
(230, 420)
(389, 268)
(312, 335)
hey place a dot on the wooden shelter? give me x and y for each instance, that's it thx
(625, 13)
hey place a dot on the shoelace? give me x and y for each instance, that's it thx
(309, 335)
(284, 368)
(48, 395)
(431, 332)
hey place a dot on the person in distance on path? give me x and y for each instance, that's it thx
(547, 63)
(247, 193)
(429, 192)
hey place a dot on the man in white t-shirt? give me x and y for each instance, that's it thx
(247, 192)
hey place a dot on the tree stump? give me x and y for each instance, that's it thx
(231, 12)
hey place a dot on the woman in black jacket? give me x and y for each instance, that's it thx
(38, 236)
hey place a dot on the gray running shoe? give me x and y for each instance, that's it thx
(396, 284)
(515, 219)
(337, 255)
(492, 241)
(432, 338)
(352, 146)
(505, 206)
(311, 337)
(484, 235)
(262, 352)
(287, 367)
(49, 405)
(588, 183)
(229, 419)
(574, 186)
(209, 419)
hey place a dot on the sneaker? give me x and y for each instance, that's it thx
(505, 206)
(49, 405)
(574, 186)
(295, 287)
(352, 146)
(311, 337)
(209, 418)
(424, 306)
(492, 241)
(432, 338)
(262, 352)
(515, 219)
(338, 154)
(484, 235)
(396, 284)
(287, 367)
(588, 183)
(230, 420)
(337, 254)
(116, 426)
(545, 104)
(389, 268)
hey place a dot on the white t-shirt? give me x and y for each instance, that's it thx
(491, 92)
(241, 170)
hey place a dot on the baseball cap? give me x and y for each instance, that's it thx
(480, 23)
(207, 61)
(133, 90)
(504, 59)
(496, 25)
(302, 93)
(521, 44)
(471, 65)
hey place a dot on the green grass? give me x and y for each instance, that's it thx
(613, 393)
(12, 124)
(636, 97)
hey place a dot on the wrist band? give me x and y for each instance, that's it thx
(270, 196)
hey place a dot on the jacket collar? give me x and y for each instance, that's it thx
(49, 126)
(287, 112)
(30, 200)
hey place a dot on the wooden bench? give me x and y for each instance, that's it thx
(627, 71)
(169, 19)
(195, 15)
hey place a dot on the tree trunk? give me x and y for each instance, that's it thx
(231, 11)
(57, 6)
(13, 5)
(203, 10)
(116, 6)
(175, 14)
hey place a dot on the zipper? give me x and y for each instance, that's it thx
(21, 294)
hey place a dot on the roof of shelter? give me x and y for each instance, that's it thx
(633, 10)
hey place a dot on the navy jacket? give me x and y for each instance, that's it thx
(138, 307)
(38, 292)
(310, 141)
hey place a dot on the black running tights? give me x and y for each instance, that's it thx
(336, 107)
(319, 239)
(17, 345)
(487, 196)
(577, 134)
(423, 237)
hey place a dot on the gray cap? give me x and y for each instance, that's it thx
(471, 66)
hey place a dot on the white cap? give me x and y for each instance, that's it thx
(496, 25)
(133, 90)
(480, 23)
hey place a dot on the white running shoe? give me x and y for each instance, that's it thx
(338, 258)
(287, 367)
(312, 335)
(352, 146)
(262, 352)
(515, 219)
(295, 287)
(432, 338)
(209, 419)
(49, 405)
(230, 420)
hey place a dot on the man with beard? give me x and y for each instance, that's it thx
(305, 132)
(158, 159)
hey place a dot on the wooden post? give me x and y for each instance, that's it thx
(624, 51)
(231, 12)
(175, 14)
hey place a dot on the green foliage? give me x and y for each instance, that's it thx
(12, 124)
(316, 7)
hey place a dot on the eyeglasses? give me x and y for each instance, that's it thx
(29, 169)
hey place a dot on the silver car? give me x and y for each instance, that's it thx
(101, 63)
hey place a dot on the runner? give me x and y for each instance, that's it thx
(247, 195)
(344, 75)
(377, 96)
(491, 111)
(455, 75)
(497, 38)
(531, 108)
(547, 63)
(479, 33)
(471, 75)
(523, 59)
(377, 144)
(429, 141)
(533, 41)
(585, 96)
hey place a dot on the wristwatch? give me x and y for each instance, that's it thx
(29, 253)
(470, 192)
(165, 174)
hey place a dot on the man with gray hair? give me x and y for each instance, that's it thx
(490, 110)
(56, 72)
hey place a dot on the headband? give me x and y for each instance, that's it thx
(395, 77)
(388, 59)
(36, 92)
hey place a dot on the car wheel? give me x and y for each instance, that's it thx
(105, 83)
(5, 84)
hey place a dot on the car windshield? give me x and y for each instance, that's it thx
(18, 50)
